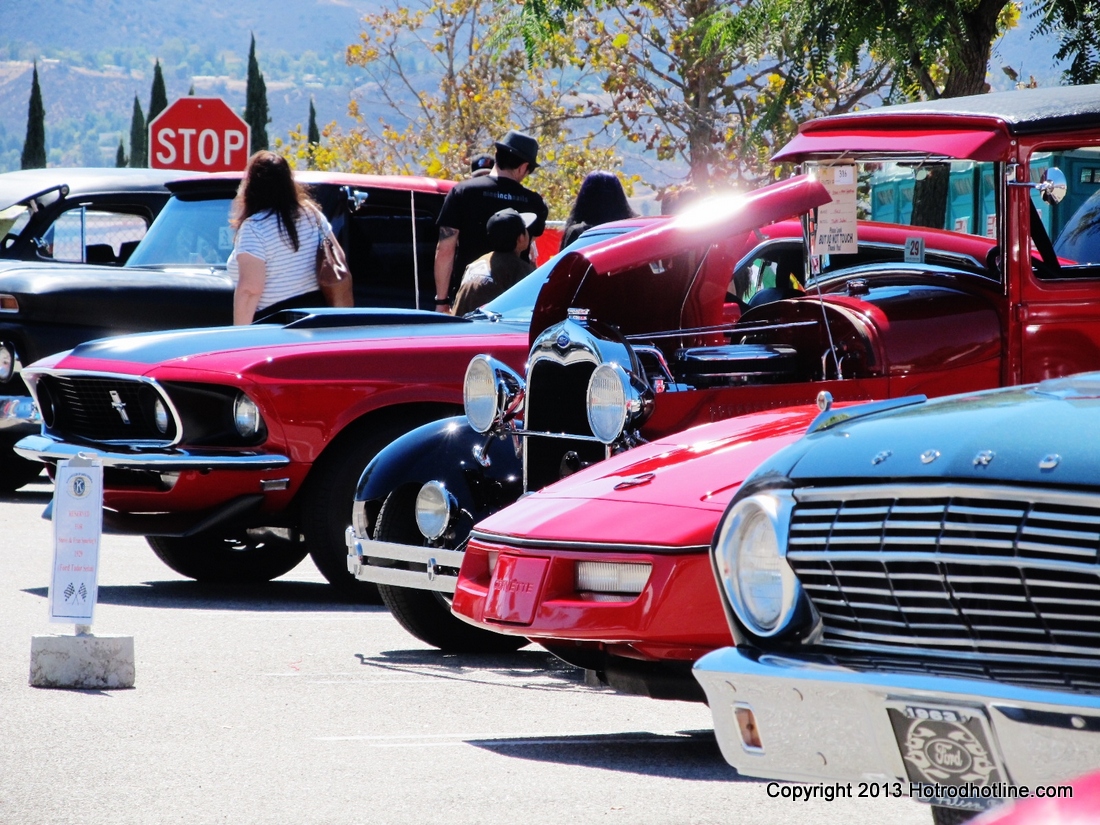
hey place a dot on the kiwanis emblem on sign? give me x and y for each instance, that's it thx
(948, 752)
(79, 485)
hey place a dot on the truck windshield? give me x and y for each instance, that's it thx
(188, 232)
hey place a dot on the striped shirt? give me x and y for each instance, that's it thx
(287, 273)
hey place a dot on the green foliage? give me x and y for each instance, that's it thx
(158, 95)
(255, 106)
(34, 147)
(314, 134)
(120, 156)
(1075, 24)
(138, 136)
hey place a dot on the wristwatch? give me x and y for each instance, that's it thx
(440, 301)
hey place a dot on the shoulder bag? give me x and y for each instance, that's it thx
(333, 275)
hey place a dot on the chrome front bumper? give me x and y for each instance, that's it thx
(432, 558)
(825, 723)
(19, 413)
(47, 449)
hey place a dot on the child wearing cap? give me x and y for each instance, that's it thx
(493, 273)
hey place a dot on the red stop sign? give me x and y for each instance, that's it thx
(199, 134)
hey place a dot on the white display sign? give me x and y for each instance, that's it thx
(77, 524)
(836, 220)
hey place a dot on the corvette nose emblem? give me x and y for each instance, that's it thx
(119, 405)
(984, 458)
(928, 456)
(635, 481)
(881, 457)
(1049, 462)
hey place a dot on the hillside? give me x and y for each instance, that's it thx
(95, 55)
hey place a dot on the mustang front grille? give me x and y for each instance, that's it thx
(102, 409)
(556, 397)
(1005, 574)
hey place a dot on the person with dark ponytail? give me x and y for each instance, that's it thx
(601, 199)
(274, 258)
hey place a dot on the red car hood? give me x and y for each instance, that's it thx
(670, 492)
(602, 278)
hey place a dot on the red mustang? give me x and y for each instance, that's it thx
(608, 567)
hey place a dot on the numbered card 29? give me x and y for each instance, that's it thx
(77, 523)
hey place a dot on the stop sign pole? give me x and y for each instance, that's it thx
(199, 134)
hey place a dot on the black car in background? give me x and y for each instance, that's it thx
(176, 277)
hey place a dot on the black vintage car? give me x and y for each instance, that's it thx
(176, 276)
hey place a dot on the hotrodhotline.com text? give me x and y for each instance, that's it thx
(827, 792)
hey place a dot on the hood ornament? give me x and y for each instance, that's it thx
(984, 458)
(928, 456)
(635, 481)
(577, 314)
(1049, 462)
(881, 457)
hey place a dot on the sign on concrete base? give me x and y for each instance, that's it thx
(81, 661)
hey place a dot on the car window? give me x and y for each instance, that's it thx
(13, 220)
(518, 303)
(93, 235)
(194, 232)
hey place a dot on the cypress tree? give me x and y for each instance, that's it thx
(158, 97)
(313, 136)
(120, 155)
(137, 136)
(191, 91)
(34, 147)
(255, 102)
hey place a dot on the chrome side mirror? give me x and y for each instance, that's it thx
(1052, 185)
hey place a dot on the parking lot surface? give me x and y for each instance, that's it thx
(281, 704)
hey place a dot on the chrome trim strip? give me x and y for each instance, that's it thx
(116, 376)
(956, 558)
(588, 547)
(948, 490)
(46, 449)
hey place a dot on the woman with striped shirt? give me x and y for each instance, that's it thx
(274, 258)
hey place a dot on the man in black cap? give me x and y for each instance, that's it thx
(496, 271)
(481, 165)
(468, 207)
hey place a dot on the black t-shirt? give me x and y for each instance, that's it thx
(472, 202)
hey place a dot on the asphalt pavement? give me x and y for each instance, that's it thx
(281, 704)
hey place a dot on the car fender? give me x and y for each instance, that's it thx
(447, 451)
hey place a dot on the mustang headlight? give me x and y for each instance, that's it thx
(613, 402)
(761, 586)
(491, 391)
(246, 416)
(434, 507)
(7, 362)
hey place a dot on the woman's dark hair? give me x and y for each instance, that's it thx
(269, 185)
(601, 199)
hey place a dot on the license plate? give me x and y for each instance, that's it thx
(946, 745)
(514, 589)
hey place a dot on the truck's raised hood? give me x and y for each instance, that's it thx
(298, 328)
(1041, 434)
(669, 492)
(637, 270)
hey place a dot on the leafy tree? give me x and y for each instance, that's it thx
(448, 97)
(34, 146)
(137, 136)
(1075, 22)
(120, 155)
(158, 95)
(714, 103)
(255, 102)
